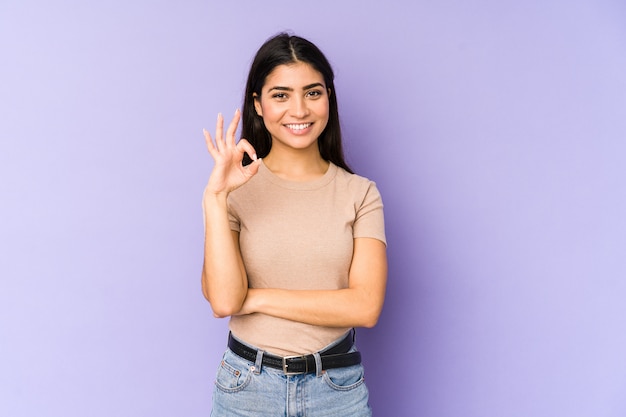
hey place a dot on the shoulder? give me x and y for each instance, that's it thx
(368, 221)
(354, 179)
(356, 183)
(247, 195)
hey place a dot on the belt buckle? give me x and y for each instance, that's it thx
(286, 366)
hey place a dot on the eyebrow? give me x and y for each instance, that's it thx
(306, 87)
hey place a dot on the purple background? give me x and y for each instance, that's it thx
(496, 131)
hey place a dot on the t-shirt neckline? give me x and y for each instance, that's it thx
(299, 185)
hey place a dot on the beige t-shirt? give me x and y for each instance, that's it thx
(300, 235)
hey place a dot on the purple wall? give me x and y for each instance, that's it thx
(495, 130)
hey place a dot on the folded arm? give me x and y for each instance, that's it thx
(359, 305)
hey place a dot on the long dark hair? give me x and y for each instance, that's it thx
(288, 49)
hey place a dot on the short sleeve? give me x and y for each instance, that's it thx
(370, 221)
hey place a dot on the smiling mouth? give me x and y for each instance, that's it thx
(298, 126)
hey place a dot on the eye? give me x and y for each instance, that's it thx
(314, 93)
(279, 96)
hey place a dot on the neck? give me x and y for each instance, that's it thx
(296, 166)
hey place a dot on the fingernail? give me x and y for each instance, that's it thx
(254, 158)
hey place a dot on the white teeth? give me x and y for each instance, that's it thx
(299, 126)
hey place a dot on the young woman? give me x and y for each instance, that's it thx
(295, 249)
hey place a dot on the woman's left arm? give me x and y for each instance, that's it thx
(359, 305)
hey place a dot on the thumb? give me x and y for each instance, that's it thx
(253, 167)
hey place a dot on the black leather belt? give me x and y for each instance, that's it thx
(335, 357)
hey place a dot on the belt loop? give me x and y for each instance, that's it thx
(258, 364)
(318, 364)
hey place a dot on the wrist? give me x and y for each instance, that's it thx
(212, 197)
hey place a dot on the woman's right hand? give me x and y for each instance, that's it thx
(228, 170)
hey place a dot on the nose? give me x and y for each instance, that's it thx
(299, 108)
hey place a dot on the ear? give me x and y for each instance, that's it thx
(257, 104)
(329, 92)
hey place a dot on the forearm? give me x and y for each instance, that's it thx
(224, 281)
(350, 307)
(359, 305)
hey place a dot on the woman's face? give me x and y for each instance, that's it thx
(294, 106)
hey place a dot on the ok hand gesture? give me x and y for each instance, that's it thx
(228, 171)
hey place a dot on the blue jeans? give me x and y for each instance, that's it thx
(248, 389)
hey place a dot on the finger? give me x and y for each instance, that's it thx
(219, 130)
(232, 128)
(245, 146)
(209, 142)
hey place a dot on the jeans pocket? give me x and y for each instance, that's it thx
(344, 379)
(233, 374)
